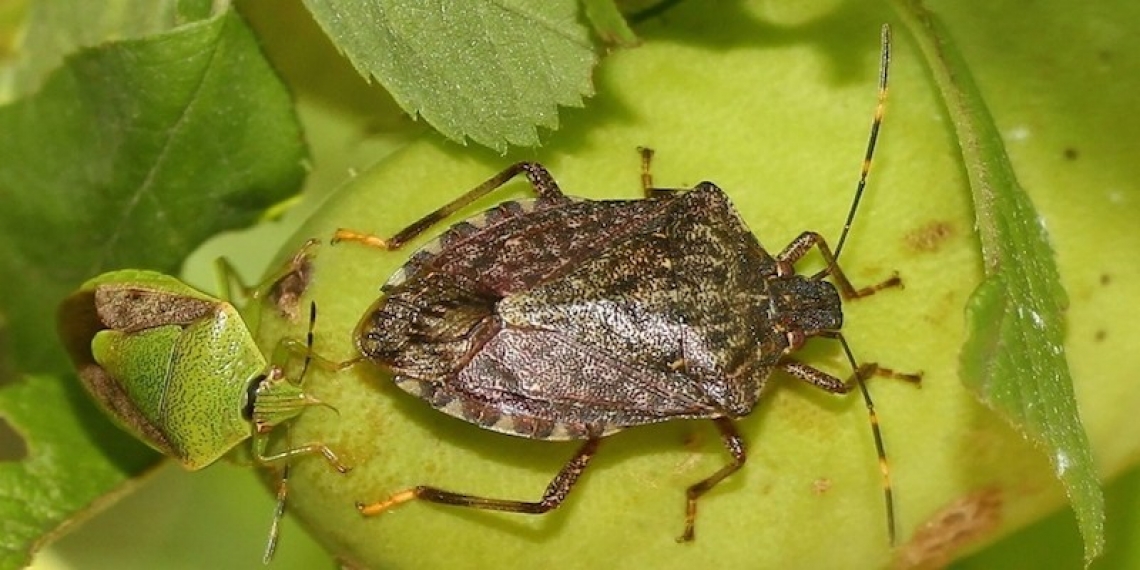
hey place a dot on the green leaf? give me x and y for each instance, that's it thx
(131, 155)
(68, 466)
(1014, 358)
(55, 29)
(489, 71)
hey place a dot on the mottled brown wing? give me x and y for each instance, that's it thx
(690, 294)
(514, 251)
(542, 385)
(429, 326)
(662, 317)
(129, 308)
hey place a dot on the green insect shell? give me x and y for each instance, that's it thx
(175, 367)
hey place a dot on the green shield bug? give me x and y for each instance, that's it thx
(561, 318)
(179, 369)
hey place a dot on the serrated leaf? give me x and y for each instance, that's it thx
(68, 466)
(1014, 358)
(487, 70)
(130, 156)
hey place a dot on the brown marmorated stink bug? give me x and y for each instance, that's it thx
(561, 318)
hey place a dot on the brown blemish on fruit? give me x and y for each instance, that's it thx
(951, 529)
(692, 443)
(1100, 335)
(1105, 279)
(930, 237)
(349, 564)
(821, 485)
(1071, 153)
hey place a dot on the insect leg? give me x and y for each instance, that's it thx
(272, 406)
(276, 400)
(556, 491)
(815, 377)
(867, 369)
(278, 514)
(292, 347)
(540, 179)
(800, 246)
(647, 188)
(228, 276)
(735, 445)
(297, 347)
(309, 449)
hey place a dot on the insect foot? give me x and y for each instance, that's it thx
(179, 369)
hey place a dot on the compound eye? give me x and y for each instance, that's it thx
(251, 396)
(796, 340)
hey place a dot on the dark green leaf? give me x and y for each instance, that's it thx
(1014, 358)
(56, 29)
(131, 155)
(68, 467)
(491, 71)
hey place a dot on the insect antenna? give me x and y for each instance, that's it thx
(880, 451)
(283, 485)
(308, 343)
(862, 372)
(876, 122)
